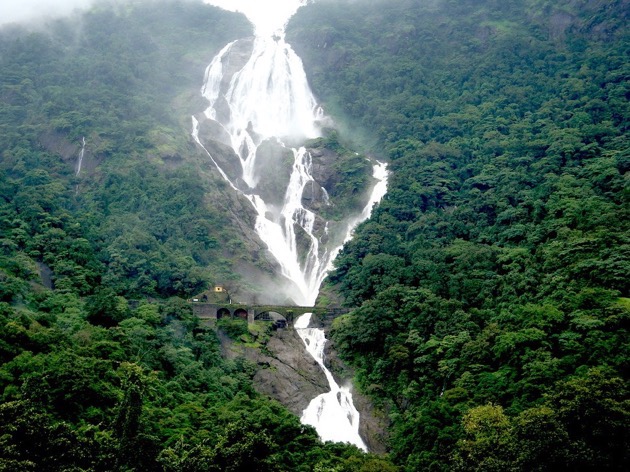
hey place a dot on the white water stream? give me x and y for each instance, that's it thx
(80, 160)
(333, 413)
(257, 91)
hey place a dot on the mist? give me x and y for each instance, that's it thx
(38, 11)
(268, 16)
(27, 11)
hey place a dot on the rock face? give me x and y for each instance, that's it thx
(285, 371)
(273, 167)
(288, 374)
(217, 143)
(59, 144)
(373, 426)
(323, 166)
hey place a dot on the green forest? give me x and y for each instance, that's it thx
(492, 282)
(103, 366)
(489, 290)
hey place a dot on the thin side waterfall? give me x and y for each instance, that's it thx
(257, 95)
(80, 160)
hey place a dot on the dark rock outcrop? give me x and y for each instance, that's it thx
(216, 141)
(324, 171)
(273, 166)
(58, 143)
(285, 371)
(287, 374)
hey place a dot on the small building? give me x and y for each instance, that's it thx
(216, 294)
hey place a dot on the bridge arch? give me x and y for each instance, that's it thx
(258, 312)
(223, 313)
(262, 316)
(278, 320)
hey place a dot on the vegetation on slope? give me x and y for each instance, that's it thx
(91, 379)
(142, 199)
(151, 392)
(492, 281)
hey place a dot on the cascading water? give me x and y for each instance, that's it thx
(333, 414)
(258, 96)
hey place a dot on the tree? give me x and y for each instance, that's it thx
(594, 408)
(488, 442)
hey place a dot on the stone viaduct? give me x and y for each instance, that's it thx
(281, 315)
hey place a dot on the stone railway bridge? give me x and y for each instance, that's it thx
(281, 315)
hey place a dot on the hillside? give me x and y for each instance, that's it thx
(492, 281)
(103, 365)
(489, 290)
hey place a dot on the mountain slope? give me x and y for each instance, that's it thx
(105, 82)
(101, 367)
(492, 280)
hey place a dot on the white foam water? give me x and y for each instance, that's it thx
(267, 97)
(333, 414)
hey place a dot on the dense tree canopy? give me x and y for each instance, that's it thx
(490, 287)
(106, 80)
(492, 281)
(102, 367)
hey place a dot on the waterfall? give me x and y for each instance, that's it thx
(333, 414)
(80, 160)
(258, 94)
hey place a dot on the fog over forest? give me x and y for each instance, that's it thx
(19, 11)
